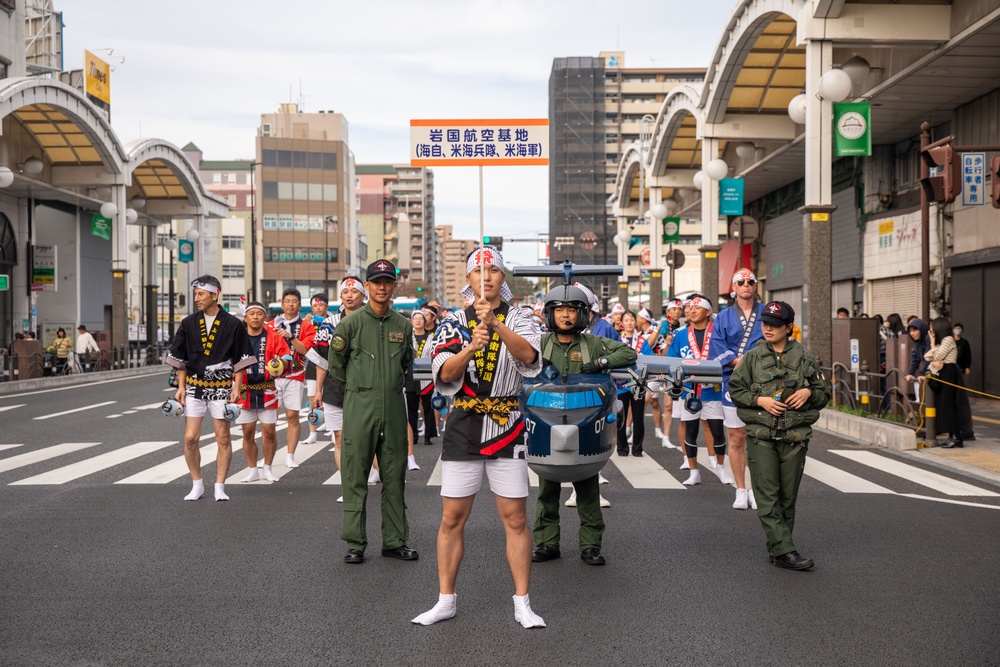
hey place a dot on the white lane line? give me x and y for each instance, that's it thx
(303, 453)
(932, 480)
(950, 501)
(69, 412)
(129, 412)
(3, 447)
(645, 473)
(176, 468)
(11, 407)
(44, 454)
(148, 406)
(112, 416)
(96, 464)
(842, 481)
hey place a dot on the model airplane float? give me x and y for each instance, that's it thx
(571, 420)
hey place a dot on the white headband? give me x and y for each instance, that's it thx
(256, 306)
(486, 256)
(744, 274)
(353, 283)
(206, 286)
(702, 302)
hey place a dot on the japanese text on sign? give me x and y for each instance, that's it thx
(973, 178)
(442, 143)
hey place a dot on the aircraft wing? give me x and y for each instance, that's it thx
(672, 369)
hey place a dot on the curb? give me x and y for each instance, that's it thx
(873, 432)
(17, 386)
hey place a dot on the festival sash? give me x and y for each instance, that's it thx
(747, 327)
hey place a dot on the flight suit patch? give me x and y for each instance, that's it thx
(576, 355)
(395, 336)
(338, 343)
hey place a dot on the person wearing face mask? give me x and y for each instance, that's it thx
(965, 364)
(942, 364)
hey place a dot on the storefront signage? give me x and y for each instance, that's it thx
(973, 179)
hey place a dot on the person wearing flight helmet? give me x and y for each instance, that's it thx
(570, 350)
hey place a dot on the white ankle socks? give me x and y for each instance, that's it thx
(220, 491)
(311, 439)
(252, 476)
(269, 474)
(411, 463)
(524, 615)
(197, 490)
(290, 461)
(445, 608)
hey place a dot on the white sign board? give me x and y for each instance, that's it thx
(973, 179)
(486, 142)
(855, 355)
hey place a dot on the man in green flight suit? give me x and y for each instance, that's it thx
(567, 315)
(370, 353)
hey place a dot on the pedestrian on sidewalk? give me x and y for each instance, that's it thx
(965, 426)
(942, 363)
(778, 390)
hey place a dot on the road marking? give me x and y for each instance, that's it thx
(945, 485)
(11, 407)
(645, 473)
(69, 412)
(842, 481)
(129, 412)
(78, 386)
(950, 501)
(96, 464)
(336, 478)
(44, 454)
(148, 406)
(3, 447)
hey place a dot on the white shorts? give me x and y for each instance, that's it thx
(263, 415)
(655, 389)
(508, 477)
(196, 407)
(677, 409)
(333, 417)
(709, 410)
(731, 418)
(310, 388)
(289, 393)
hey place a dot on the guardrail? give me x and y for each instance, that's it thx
(873, 394)
(15, 367)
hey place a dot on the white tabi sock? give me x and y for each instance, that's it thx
(252, 476)
(411, 463)
(524, 615)
(311, 439)
(197, 490)
(220, 491)
(290, 461)
(269, 474)
(445, 608)
(373, 477)
(658, 433)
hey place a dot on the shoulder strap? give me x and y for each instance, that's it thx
(548, 345)
(585, 349)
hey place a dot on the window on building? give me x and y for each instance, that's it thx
(232, 242)
(333, 254)
(249, 200)
(268, 253)
(315, 160)
(269, 158)
(232, 270)
(216, 178)
(300, 159)
(300, 191)
(265, 129)
(329, 192)
(231, 199)
(269, 190)
(330, 161)
(284, 190)
(284, 158)
(231, 179)
(315, 191)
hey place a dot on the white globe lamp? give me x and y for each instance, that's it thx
(698, 179)
(170, 244)
(835, 85)
(131, 216)
(797, 109)
(746, 150)
(717, 169)
(109, 210)
(192, 235)
(6, 177)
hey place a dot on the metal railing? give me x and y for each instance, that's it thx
(42, 364)
(873, 394)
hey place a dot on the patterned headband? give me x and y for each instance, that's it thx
(702, 302)
(208, 287)
(353, 283)
(486, 256)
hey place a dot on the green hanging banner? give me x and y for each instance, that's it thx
(100, 226)
(852, 133)
(672, 230)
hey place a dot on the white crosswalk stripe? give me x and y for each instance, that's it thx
(3, 447)
(43, 454)
(645, 473)
(842, 481)
(97, 463)
(940, 483)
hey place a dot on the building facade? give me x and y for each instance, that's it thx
(415, 242)
(455, 253)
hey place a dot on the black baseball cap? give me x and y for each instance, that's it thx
(382, 268)
(778, 313)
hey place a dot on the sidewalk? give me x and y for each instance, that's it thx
(980, 458)
(14, 387)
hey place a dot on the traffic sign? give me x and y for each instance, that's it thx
(645, 256)
(588, 240)
(675, 259)
(855, 355)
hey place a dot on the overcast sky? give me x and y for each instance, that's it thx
(205, 70)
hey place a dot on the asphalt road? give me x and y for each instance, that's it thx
(97, 572)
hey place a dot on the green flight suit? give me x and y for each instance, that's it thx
(370, 356)
(776, 448)
(588, 496)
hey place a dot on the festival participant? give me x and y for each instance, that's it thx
(656, 337)
(299, 334)
(259, 399)
(636, 341)
(737, 330)
(675, 308)
(209, 351)
(419, 394)
(571, 350)
(481, 355)
(616, 316)
(779, 391)
(370, 354)
(319, 304)
(693, 342)
(329, 392)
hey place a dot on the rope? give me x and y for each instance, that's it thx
(958, 386)
(920, 410)
(923, 390)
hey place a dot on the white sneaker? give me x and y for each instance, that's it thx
(742, 501)
(605, 502)
(658, 432)
(753, 501)
(723, 474)
(311, 439)
(572, 500)
(601, 479)
(373, 477)
(290, 461)
(693, 478)
(665, 441)
(685, 465)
